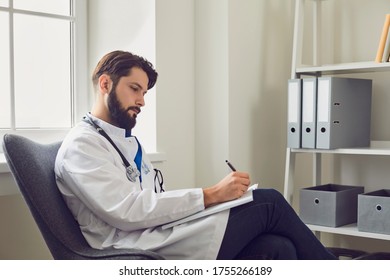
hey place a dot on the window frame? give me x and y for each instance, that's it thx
(80, 97)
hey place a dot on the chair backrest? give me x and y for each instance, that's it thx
(32, 165)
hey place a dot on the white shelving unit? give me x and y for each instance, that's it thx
(350, 68)
(350, 230)
(377, 148)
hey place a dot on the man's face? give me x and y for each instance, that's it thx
(126, 99)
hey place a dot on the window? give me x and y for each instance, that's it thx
(40, 61)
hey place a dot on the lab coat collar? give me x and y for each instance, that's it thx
(109, 128)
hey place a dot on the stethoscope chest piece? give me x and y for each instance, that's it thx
(132, 173)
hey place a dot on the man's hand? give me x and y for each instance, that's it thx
(231, 187)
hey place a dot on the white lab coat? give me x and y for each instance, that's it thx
(114, 212)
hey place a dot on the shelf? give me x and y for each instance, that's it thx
(350, 230)
(376, 148)
(354, 67)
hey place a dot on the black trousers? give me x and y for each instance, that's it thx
(269, 228)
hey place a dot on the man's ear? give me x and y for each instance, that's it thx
(105, 83)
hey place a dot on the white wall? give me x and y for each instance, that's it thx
(222, 72)
(212, 91)
(243, 55)
(175, 48)
(19, 235)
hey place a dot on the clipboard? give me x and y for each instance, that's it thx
(247, 197)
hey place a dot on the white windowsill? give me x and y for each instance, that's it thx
(154, 157)
(11, 189)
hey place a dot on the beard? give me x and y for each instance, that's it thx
(119, 114)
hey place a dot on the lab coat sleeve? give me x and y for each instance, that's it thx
(95, 175)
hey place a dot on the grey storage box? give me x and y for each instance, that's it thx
(329, 205)
(374, 211)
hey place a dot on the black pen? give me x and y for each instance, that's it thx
(230, 165)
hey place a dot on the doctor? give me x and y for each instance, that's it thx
(119, 201)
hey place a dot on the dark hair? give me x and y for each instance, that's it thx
(118, 64)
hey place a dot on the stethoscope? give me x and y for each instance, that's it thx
(131, 173)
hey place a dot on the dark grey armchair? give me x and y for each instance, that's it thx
(32, 165)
